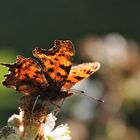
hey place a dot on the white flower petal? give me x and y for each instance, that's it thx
(59, 133)
(50, 123)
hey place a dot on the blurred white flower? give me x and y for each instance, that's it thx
(111, 50)
(59, 133)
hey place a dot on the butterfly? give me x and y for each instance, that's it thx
(52, 76)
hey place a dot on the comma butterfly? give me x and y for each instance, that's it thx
(53, 76)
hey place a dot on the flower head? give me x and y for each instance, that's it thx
(59, 133)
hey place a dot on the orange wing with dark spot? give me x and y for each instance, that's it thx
(25, 76)
(56, 61)
(80, 72)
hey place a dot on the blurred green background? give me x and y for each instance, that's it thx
(103, 31)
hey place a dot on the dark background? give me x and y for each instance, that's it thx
(25, 24)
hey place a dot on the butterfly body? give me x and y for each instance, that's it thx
(52, 93)
(53, 76)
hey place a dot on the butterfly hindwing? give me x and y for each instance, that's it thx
(25, 75)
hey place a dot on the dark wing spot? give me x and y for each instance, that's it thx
(26, 75)
(17, 65)
(61, 55)
(37, 72)
(74, 72)
(88, 72)
(69, 81)
(35, 76)
(50, 70)
(78, 77)
(63, 76)
(51, 63)
(18, 71)
(58, 74)
(65, 68)
(55, 59)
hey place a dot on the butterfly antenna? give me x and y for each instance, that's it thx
(83, 93)
(35, 104)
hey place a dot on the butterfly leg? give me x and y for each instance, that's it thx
(57, 107)
(35, 103)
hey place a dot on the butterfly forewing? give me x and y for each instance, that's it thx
(56, 61)
(79, 72)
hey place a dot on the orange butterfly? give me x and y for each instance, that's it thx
(53, 76)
